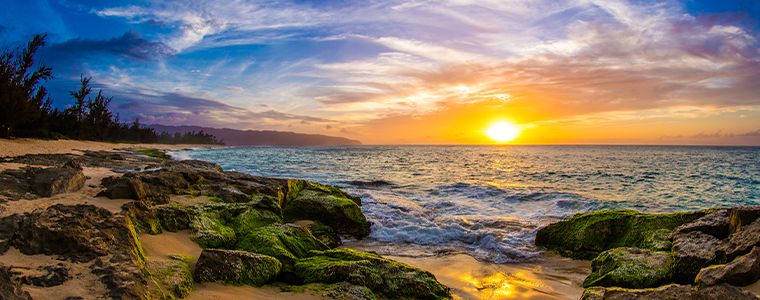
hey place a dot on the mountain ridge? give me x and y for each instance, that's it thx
(235, 137)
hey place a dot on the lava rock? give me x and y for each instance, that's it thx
(236, 267)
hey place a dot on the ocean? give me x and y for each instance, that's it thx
(489, 201)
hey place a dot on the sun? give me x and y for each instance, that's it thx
(502, 132)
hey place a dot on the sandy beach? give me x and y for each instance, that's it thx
(550, 277)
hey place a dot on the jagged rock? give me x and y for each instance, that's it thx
(143, 217)
(285, 242)
(104, 154)
(236, 267)
(53, 181)
(14, 185)
(744, 270)
(51, 276)
(630, 268)
(9, 288)
(741, 241)
(693, 251)
(76, 232)
(669, 292)
(584, 236)
(122, 276)
(385, 277)
(741, 216)
(174, 217)
(715, 224)
(173, 276)
(330, 206)
(324, 233)
(8, 227)
(124, 187)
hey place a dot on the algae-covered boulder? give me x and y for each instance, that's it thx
(174, 217)
(236, 267)
(584, 236)
(210, 231)
(173, 277)
(630, 268)
(347, 291)
(53, 181)
(324, 233)
(330, 206)
(286, 242)
(744, 270)
(143, 217)
(384, 277)
(669, 292)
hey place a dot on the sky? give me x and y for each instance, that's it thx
(411, 71)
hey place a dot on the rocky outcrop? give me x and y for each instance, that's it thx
(9, 288)
(742, 240)
(693, 251)
(236, 267)
(744, 270)
(54, 181)
(286, 242)
(173, 278)
(584, 236)
(330, 206)
(630, 268)
(48, 276)
(715, 224)
(674, 292)
(384, 277)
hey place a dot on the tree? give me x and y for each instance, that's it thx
(99, 117)
(21, 96)
(80, 105)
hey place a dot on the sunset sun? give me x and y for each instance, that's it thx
(502, 132)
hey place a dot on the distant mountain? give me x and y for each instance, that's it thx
(234, 137)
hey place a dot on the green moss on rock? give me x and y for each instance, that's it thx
(173, 276)
(209, 231)
(584, 236)
(388, 278)
(236, 267)
(335, 210)
(286, 242)
(630, 268)
(151, 152)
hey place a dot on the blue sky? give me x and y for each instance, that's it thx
(585, 71)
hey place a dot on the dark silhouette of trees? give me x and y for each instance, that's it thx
(23, 105)
(21, 96)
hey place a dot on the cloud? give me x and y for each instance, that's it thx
(755, 133)
(129, 46)
(235, 89)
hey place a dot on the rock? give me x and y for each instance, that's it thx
(174, 217)
(210, 232)
(693, 251)
(236, 267)
(102, 154)
(669, 292)
(123, 276)
(324, 233)
(347, 291)
(53, 181)
(124, 187)
(78, 233)
(286, 242)
(330, 206)
(50, 276)
(584, 236)
(630, 268)
(14, 185)
(741, 241)
(173, 276)
(743, 271)
(387, 278)
(143, 217)
(742, 216)
(9, 288)
(8, 227)
(715, 224)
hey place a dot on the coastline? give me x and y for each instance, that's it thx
(550, 277)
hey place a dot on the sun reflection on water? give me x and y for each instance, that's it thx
(498, 285)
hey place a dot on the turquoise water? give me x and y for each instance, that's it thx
(488, 201)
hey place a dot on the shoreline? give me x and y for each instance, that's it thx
(550, 277)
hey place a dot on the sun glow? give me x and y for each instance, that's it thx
(502, 132)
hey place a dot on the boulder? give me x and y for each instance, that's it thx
(174, 217)
(47, 276)
(669, 292)
(586, 235)
(11, 289)
(286, 242)
(386, 278)
(143, 217)
(8, 227)
(741, 241)
(14, 185)
(329, 206)
(125, 187)
(324, 233)
(715, 224)
(630, 268)
(236, 267)
(123, 275)
(172, 276)
(347, 291)
(693, 251)
(210, 231)
(53, 181)
(744, 270)
(741, 216)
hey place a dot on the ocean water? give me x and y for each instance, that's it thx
(489, 201)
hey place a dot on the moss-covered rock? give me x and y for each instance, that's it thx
(143, 217)
(584, 236)
(210, 231)
(385, 277)
(324, 233)
(172, 277)
(236, 267)
(286, 242)
(330, 206)
(630, 268)
(347, 291)
(174, 217)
